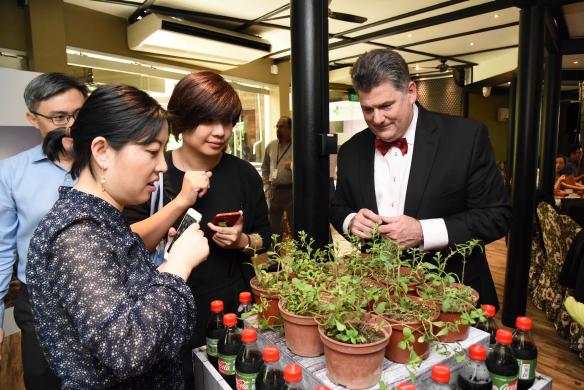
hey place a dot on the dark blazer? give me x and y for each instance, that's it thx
(453, 176)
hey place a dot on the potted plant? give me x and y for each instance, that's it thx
(457, 302)
(412, 321)
(354, 340)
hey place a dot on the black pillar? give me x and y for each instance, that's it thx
(511, 130)
(525, 162)
(309, 22)
(550, 121)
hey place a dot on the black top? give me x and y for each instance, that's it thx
(105, 316)
(235, 185)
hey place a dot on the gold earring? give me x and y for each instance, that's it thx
(102, 182)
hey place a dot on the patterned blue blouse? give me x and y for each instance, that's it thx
(105, 316)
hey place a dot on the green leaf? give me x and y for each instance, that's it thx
(340, 326)
(402, 345)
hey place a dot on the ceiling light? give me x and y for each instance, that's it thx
(496, 16)
(417, 67)
(472, 43)
(575, 62)
(409, 35)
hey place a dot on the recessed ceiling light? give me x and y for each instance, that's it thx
(417, 74)
(409, 35)
(508, 82)
(418, 66)
(496, 16)
(472, 43)
(575, 62)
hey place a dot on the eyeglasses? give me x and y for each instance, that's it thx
(59, 120)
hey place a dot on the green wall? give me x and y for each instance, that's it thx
(484, 110)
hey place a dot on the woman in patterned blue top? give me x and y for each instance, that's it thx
(105, 315)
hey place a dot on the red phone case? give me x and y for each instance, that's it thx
(226, 219)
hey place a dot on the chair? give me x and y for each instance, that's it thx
(557, 232)
(536, 264)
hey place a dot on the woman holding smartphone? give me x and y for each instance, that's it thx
(203, 109)
(105, 315)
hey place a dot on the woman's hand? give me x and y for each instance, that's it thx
(195, 185)
(230, 237)
(189, 250)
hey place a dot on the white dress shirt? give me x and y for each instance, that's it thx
(391, 174)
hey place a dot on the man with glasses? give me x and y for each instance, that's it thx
(28, 189)
(277, 176)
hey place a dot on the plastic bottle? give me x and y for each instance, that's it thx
(502, 364)
(475, 375)
(489, 325)
(525, 351)
(228, 348)
(244, 306)
(249, 361)
(405, 386)
(271, 376)
(440, 378)
(293, 377)
(215, 331)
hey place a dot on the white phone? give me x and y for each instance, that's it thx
(192, 216)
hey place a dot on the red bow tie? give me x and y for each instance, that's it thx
(383, 146)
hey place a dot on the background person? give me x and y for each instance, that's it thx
(429, 179)
(28, 188)
(105, 315)
(277, 176)
(203, 109)
(573, 163)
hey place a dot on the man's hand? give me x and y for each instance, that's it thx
(363, 223)
(195, 185)
(404, 230)
(230, 237)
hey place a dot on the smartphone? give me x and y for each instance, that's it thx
(226, 219)
(192, 216)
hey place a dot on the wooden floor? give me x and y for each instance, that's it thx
(555, 359)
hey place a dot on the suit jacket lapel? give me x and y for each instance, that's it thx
(425, 148)
(366, 172)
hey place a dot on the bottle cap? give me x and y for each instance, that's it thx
(405, 386)
(489, 310)
(293, 373)
(271, 354)
(245, 297)
(504, 336)
(440, 373)
(477, 352)
(217, 306)
(523, 323)
(248, 335)
(229, 319)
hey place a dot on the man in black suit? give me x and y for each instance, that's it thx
(430, 180)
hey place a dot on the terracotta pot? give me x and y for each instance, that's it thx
(355, 366)
(272, 313)
(398, 355)
(301, 333)
(461, 332)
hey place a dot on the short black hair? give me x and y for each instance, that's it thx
(574, 148)
(47, 85)
(119, 113)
